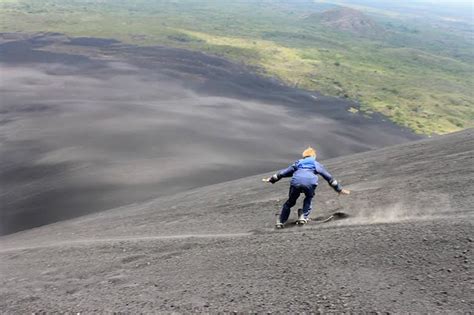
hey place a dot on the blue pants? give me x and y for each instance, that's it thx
(295, 191)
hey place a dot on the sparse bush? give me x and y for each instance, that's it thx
(183, 38)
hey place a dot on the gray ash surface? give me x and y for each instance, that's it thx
(406, 246)
(90, 124)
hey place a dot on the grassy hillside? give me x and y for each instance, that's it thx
(419, 75)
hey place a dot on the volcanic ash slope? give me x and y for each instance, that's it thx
(406, 246)
(89, 124)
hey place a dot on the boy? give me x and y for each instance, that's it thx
(304, 180)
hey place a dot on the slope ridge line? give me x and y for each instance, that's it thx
(125, 239)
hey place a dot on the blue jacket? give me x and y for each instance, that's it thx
(305, 172)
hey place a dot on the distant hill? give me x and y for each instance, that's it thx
(348, 20)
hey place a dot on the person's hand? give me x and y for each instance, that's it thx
(272, 179)
(345, 192)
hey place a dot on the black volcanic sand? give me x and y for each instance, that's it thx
(90, 124)
(405, 247)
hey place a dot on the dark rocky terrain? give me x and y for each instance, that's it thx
(405, 247)
(90, 124)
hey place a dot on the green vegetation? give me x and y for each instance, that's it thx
(421, 76)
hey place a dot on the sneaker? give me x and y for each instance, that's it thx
(279, 225)
(301, 218)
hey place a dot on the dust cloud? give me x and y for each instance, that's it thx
(421, 206)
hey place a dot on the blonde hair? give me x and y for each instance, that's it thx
(309, 152)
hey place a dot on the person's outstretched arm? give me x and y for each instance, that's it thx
(321, 170)
(287, 172)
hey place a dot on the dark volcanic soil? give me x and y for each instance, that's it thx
(91, 124)
(406, 246)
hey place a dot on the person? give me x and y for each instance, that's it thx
(304, 173)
